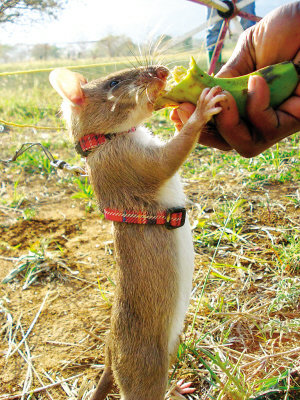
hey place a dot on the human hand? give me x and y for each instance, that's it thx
(271, 41)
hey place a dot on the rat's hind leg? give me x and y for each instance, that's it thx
(104, 386)
(107, 379)
(143, 373)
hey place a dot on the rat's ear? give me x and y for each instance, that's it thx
(68, 85)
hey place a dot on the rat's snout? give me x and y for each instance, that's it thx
(162, 72)
(156, 72)
(153, 79)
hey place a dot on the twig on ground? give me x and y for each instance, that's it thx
(30, 366)
(31, 326)
(40, 389)
(264, 358)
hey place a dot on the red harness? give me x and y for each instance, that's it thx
(89, 142)
(172, 218)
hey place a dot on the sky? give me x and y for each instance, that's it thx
(91, 20)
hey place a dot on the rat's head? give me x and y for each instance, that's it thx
(111, 104)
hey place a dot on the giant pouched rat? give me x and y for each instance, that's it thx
(134, 176)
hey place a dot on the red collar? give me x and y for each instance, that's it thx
(89, 142)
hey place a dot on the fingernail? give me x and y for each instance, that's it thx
(252, 83)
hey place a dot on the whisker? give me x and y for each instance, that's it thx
(142, 55)
(150, 60)
(139, 92)
(117, 101)
(133, 54)
(137, 96)
(157, 49)
(110, 95)
(147, 94)
(121, 95)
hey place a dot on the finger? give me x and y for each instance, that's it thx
(292, 106)
(181, 114)
(206, 92)
(296, 59)
(258, 104)
(234, 131)
(210, 137)
(185, 110)
(174, 115)
(297, 90)
(272, 125)
(175, 119)
(189, 108)
(217, 99)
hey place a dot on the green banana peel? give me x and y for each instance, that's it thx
(187, 85)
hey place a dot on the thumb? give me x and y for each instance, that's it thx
(185, 110)
(182, 113)
(258, 104)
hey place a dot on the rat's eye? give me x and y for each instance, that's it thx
(113, 83)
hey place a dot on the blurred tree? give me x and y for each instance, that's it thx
(5, 52)
(160, 42)
(188, 43)
(45, 51)
(163, 38)
(113, 46)
(11, 10)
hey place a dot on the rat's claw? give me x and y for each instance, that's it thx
(184, 388)
(180, 389)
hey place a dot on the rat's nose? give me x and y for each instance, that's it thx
(162, 72)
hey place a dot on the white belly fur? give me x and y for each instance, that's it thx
(171, 195)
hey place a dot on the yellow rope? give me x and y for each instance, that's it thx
(52, 128)
(32, 71)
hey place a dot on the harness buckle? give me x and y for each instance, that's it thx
(175, 217)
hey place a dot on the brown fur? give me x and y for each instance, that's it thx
(126, 175)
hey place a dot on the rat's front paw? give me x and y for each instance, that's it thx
(207, 103)
(178, 390)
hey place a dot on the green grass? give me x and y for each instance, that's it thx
(85, 192)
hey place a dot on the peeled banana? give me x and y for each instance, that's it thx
(187, 85)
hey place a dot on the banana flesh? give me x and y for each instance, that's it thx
(187, 85)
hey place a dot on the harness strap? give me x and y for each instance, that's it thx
(172, 218)
(89, 142)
